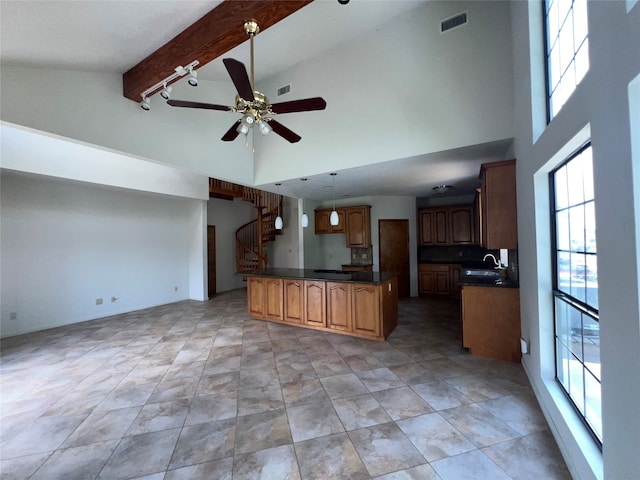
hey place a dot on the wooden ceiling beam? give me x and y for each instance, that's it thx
(216, 33)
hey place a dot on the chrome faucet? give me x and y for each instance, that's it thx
(496, 262)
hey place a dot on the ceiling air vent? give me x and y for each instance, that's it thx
(284, 90)
(453, 22)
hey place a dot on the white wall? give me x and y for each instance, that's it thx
(89, 107)
(228, 216)
(65, 244)
(599, 110)
(399, 91)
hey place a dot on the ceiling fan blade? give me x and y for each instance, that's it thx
(303, 105)
(208, 106)
(284, 132)
(232, 133)
(240, 78)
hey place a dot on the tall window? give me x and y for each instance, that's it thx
(577, 327)
(567, 50)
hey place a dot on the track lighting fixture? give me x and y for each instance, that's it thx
(166, 92)
(145, 104)
(193, 77)
(278, 224)
(163, 85)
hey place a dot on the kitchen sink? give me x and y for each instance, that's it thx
(482, 273)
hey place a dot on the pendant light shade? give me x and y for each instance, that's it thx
(334, 220)
(304, 220)
(278, 224)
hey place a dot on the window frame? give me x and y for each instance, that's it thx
(582, 307)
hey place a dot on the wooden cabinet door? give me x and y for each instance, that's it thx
(339, 306)
(273, 304)
(256, 296)
(426, 227)
(322, 224)
(434, 279)
(314, 303)
(366, 309)
(461, 221)
(498, 196)
(426, 281)
(442, 282)
(358, 226)
(342, 221)
(293, 301)
(441, 226)
(455, 279)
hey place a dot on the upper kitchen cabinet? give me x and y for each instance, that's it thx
(323, 225)
(498, 216)
(452, 225)
(358, 226)
(355, 221)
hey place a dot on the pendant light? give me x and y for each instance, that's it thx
(334, 219)
(304, 219)
(278, 218)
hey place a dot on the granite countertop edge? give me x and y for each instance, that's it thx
(375, 278)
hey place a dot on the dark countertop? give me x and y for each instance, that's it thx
(468, 264)
(486, 282)
(375, 278)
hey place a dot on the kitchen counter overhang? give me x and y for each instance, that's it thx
(361, 304)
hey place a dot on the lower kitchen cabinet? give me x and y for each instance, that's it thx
(491, 322)
(265, 298)
(438, 279)
(366, 309)
(339, 306)
(315, 303)
(293, 301)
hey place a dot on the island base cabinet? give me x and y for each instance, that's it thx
(361, 310)
(265, 298)
(339, 306)
(315, 303)
(491, 322)
(293, 301)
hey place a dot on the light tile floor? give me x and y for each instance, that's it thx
(197, 390)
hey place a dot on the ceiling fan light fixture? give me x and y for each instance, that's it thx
(193, 77)
(166, 92)
(242, 129)
(248, 119)
(264, 127)
(145, 104)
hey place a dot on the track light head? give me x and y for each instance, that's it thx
(166, 92)
(145, 104)
(193, 77)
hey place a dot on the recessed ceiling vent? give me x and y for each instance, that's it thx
(284, 90)
(453, 22)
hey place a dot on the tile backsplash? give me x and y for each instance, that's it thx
(361, 256)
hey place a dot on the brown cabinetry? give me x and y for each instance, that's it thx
(339, 305)
(293, 301)
(314, 303)
(499, 226)
(357, 268)
(354, 221)
(453, 225)
(491, 322)
(358, 309)
(438, 279)
(358, 226)
(323, 224)
(366, 309)
(265, 298)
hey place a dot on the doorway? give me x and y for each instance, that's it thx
(393, 254)
(211, 259)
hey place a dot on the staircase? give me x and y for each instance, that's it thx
(252, 236)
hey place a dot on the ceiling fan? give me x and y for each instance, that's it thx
(253, 105)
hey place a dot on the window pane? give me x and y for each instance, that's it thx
(564, 272)
(590, 227)
(576, 219)
(592, 281)
(591, 336)
(576, 383)
(575, 320)
(580, 23)
(562, 230)
(562, 197)
(563, 330)
(575, 182)
(578, 267)
(562, 359)
(593, 408)
(586, 163)
(566, 45)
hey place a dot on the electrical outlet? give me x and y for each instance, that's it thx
(13, 315)
(524, 346)
(364, 255)
(98, 301)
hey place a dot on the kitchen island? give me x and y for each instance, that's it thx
(360, 304)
